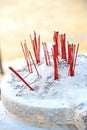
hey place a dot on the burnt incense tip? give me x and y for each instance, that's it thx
(9, 67)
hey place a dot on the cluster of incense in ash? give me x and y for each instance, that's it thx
(58, 49)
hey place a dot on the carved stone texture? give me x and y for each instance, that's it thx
(81, 116)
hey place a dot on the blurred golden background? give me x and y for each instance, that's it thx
(19, 18)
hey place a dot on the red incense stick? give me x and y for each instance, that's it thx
(46, 53)
(72, 61)
(69, 53)
(55, 58)
(76, 55)
(63, 46)
(71, 69)
(55, 39)
(25, 55)
(36, 47)
(16, 73)
(28, 57)
(34, 63)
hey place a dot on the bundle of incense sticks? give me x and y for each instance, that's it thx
(29, 58)
(58, 49)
